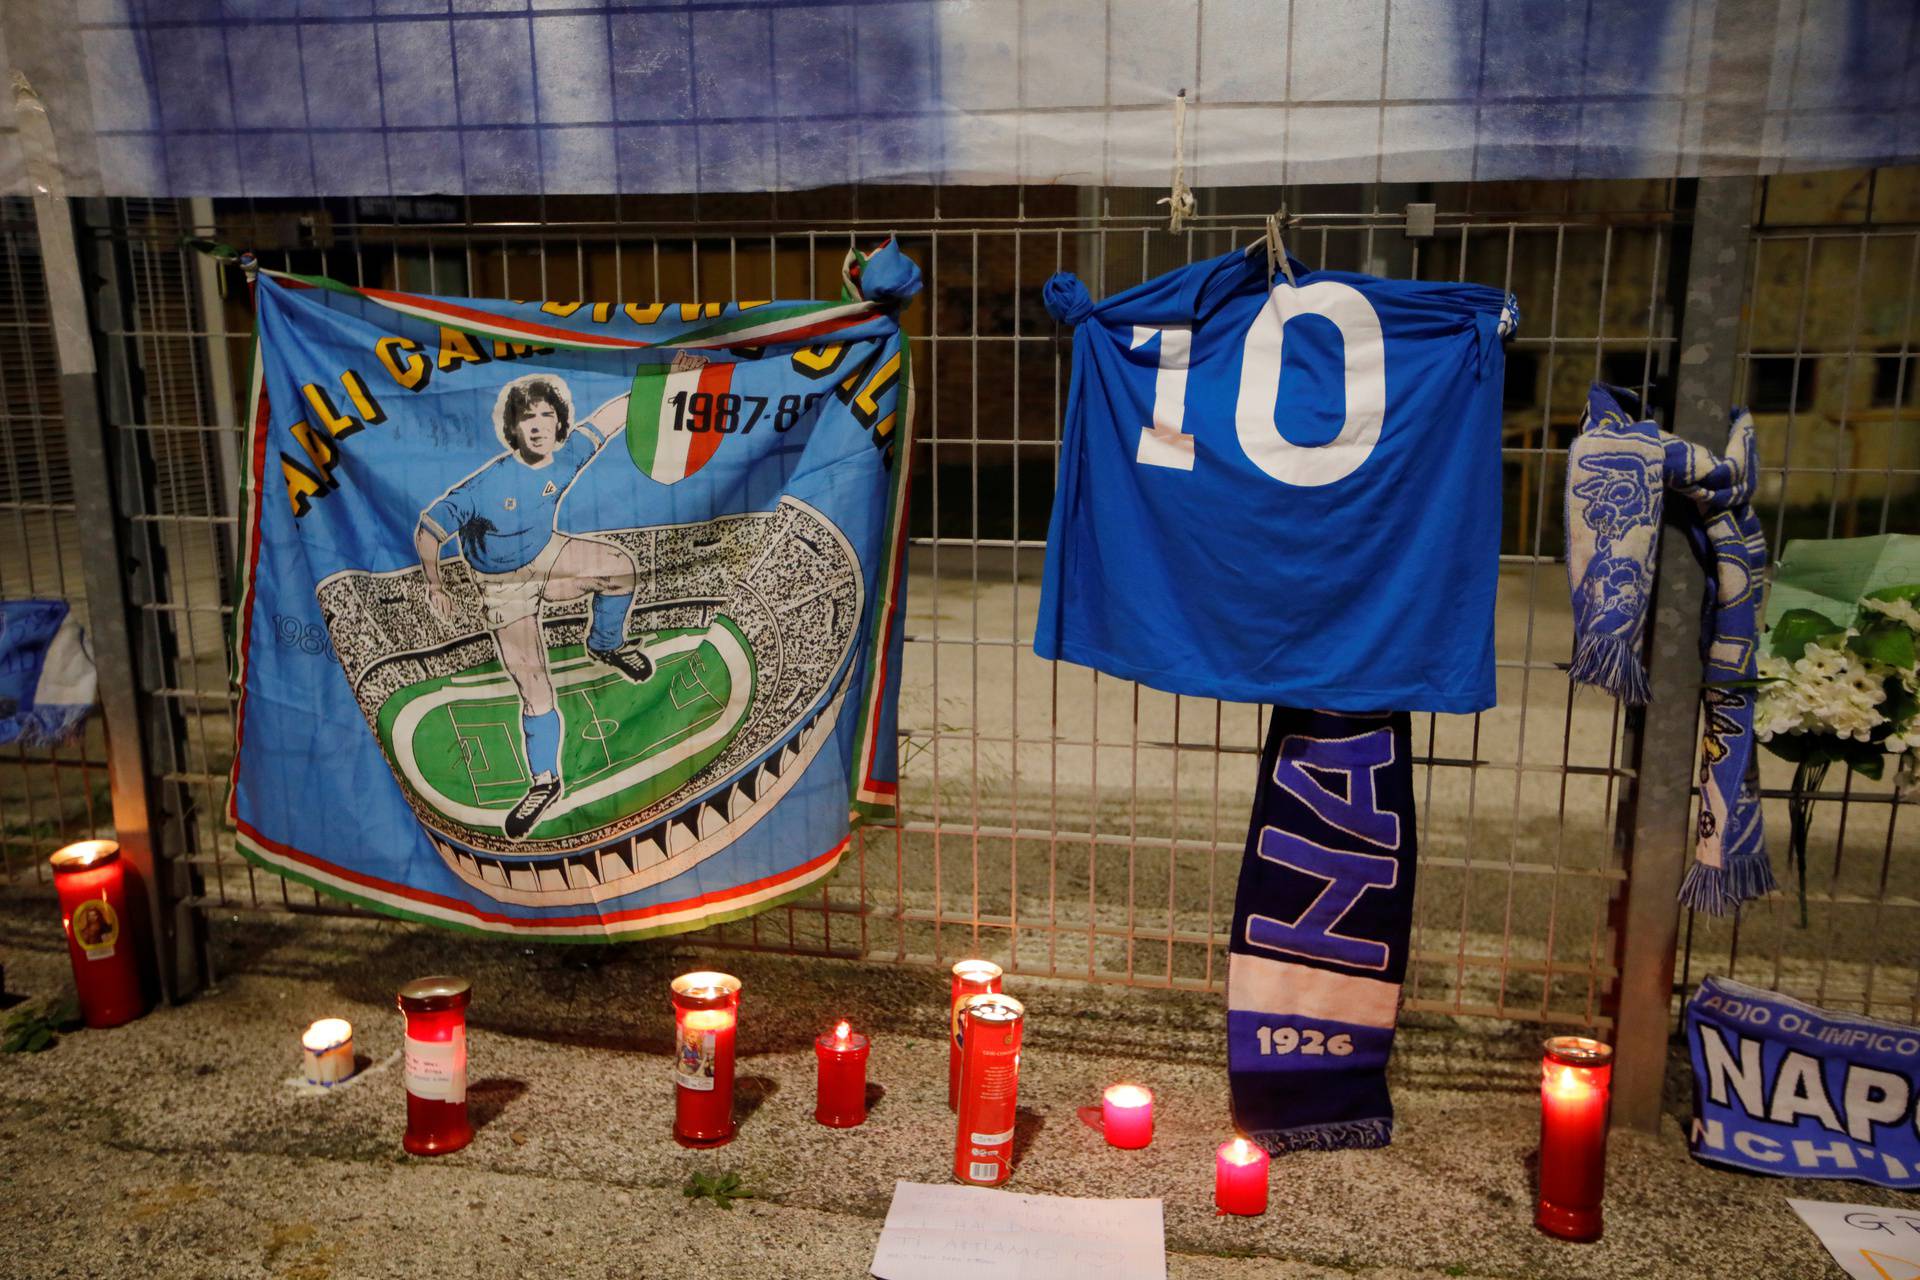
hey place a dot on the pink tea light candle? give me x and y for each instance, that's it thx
(1126, 1116)
(1240, 1178)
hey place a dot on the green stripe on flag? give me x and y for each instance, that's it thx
(643, 415)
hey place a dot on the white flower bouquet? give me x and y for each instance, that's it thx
(1841, 695)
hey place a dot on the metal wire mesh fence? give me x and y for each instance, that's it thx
(1061, 821)
(1828, 366)
(48, 795)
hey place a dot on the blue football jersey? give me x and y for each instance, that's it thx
(503, 513)
(1285, 494)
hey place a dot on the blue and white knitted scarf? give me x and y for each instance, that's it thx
(1618, 471)
(1320, 930)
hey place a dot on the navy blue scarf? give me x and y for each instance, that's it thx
(1320, 929)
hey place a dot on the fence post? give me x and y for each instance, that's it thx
(1660, 833)
(160, 884)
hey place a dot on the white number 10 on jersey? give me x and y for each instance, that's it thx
(1167, 443)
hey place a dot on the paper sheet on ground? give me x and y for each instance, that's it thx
(965, 1233)
(1869, 1242)
(1829, 577)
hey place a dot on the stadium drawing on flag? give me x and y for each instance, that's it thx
(750, 623)
(578, 621)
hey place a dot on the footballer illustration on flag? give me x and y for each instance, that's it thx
(573, 620)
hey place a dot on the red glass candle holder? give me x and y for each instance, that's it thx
(1126, 1116)
(1576, 1082)
(436, 1064)
(1240, 1178)
(92, 884)
(840, 1100)
(706, 1012)
(991, 1027)
(970, 978)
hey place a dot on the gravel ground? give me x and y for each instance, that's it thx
(180, 1146)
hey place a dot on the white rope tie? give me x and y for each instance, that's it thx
(1179, 202)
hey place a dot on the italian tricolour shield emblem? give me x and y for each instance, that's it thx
(678, 416)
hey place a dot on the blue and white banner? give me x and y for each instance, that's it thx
(1783, 1087)
(1320, 928)
(572, 620)
(47, 679)
(1283, 492)
(267, 98)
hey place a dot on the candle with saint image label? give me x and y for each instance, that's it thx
(840, 1096)
(970, 978)
(91, 882)
(706, 1011)
(1576, 1077)
(436, 1064)
(1240, 1178)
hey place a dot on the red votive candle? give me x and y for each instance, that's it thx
(1576, 1080)
(991, 1027)
(1126, 1115)
(970, 978)
(706, 1009)
(436, 1064)
(92, 884)
(1240, 1178)
(840, 1100)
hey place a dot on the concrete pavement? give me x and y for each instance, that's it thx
(179, 1146)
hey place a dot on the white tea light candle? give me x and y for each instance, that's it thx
(327, 1048)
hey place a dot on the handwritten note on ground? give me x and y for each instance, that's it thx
(966, 1233)
(1868, 1241)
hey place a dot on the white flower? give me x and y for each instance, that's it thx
(1832, 691)
(1870, 688)
(1901, 611)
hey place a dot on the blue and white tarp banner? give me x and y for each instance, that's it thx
(47, 680)
(1320, 929)
(1284, 493)
(571, 620)
(1783, 1087)
(266, 98)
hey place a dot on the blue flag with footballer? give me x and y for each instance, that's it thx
(1281, 491)
(576, 621)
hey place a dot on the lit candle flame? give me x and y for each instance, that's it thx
(842, 1030)
(1128, 1095)
(84, 854)
(706, 984)
(1567, 1083)
(327, 1033)
(1241, 1152)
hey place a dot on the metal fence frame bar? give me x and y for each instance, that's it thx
(1659, 841)
(160, 885)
